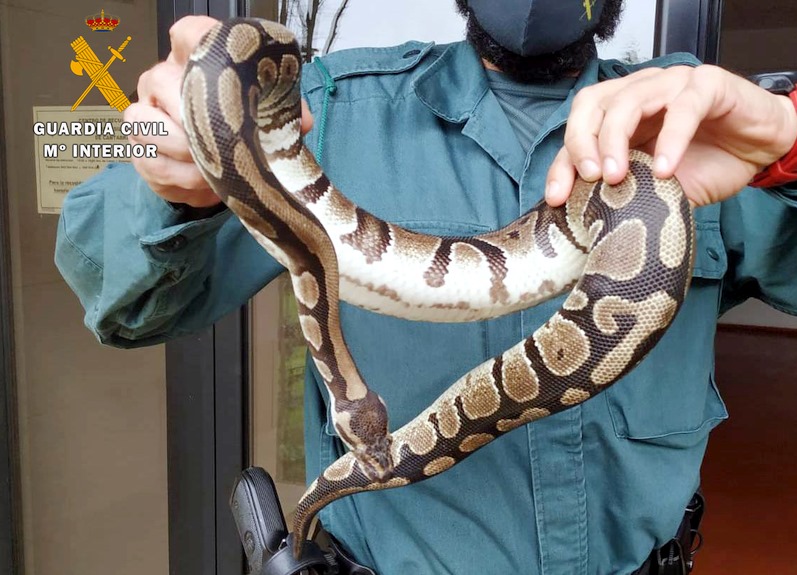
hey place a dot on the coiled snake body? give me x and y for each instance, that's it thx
(626, 251)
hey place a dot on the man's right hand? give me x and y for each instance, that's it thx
(173, 174)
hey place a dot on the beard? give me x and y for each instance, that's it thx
(543, 68)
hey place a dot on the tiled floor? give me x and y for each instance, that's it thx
(750, 473)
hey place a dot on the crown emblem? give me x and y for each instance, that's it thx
(102, 23)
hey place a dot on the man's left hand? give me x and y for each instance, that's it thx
(712, 129)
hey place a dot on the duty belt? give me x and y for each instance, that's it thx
(269, 548)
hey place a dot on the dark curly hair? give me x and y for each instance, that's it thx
(545, 67)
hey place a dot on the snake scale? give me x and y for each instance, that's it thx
(625, 253)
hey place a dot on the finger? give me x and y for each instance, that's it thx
(307, 118)
(150, 81)
(586, 118)
(632, 114)
(160, 86)
(185, 34)
(560, 179)
(581, 134)
(644, 138)
(144, 86)
(164, 172)
(637, 108)
(683, 118)
(174, 145)
(193, 198)
(619, 125)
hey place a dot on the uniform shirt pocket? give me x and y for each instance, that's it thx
(671, 398)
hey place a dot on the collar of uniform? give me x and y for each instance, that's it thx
(588, 77)
(454, 84)
(455, 88)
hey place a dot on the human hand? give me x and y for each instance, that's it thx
(173, 174)
(712, 129)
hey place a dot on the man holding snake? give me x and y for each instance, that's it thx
(455, 140)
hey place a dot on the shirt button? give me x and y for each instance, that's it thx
(713, 254)
(172, 244)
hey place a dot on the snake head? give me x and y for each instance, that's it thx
(363, 426)
(376, 459)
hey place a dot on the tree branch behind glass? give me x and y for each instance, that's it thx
(304, 18)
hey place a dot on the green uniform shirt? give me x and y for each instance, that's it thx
(414, 134)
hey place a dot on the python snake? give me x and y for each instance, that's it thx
(625, 252)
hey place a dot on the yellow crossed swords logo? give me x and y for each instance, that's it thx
(100, 76)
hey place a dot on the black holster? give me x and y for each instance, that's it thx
(265, 538)
(676, 557)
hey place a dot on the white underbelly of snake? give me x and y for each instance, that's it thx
(625, 252)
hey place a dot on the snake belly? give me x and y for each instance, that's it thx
(626, 253)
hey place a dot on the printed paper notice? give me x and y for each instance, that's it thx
(71, 146)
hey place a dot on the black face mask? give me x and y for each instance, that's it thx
(545, 67)
(534, 27)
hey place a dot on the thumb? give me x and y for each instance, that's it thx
(185, 35)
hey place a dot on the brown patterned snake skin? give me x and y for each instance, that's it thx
(625, 251)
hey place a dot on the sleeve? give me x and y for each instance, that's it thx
(787, 194)
(144, 270)
(759, 229)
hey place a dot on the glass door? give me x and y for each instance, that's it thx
(110, 460)
(748, 519)
(754, 39)
(758, 38)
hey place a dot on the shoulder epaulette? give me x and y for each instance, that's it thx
(616, 68)
(362, 61)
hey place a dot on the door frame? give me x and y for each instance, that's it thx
(11, 551)
(688, 26)
(205, 440)
(207, 403)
